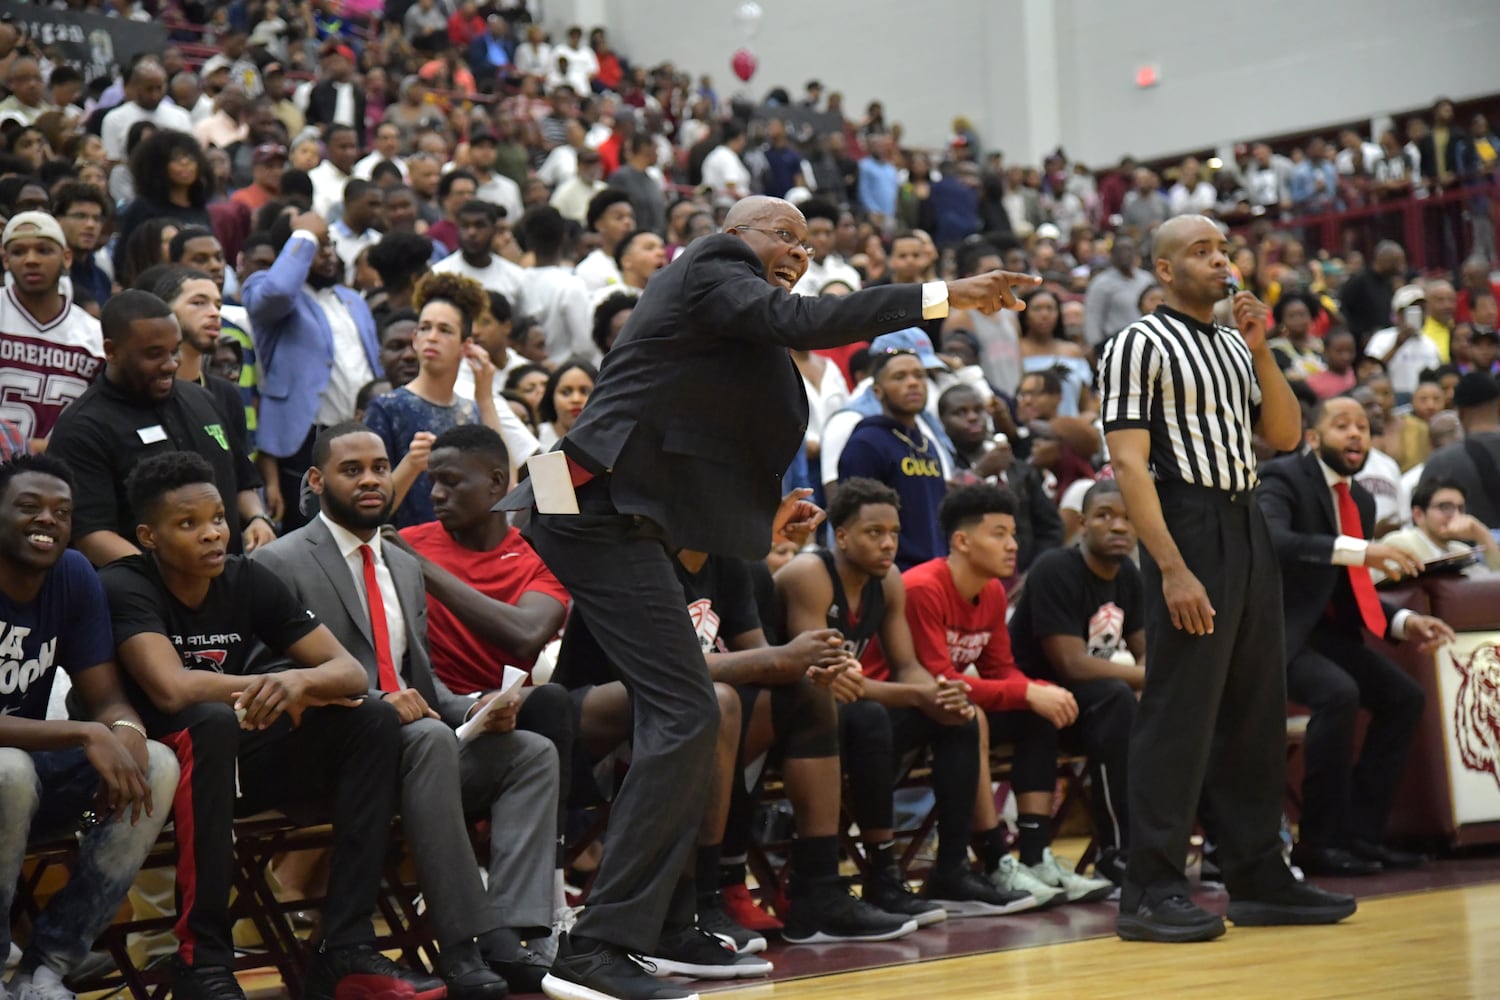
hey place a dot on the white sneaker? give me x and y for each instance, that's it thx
(1077, 888)
(1016, 877)
(45, 985)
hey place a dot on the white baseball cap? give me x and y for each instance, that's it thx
(36, 225)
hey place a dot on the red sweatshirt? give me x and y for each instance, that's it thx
(950, 633)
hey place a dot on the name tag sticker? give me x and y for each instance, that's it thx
(551, 484)
(151, 435)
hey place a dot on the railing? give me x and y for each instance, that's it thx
(1437, 231)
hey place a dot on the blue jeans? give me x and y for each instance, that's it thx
(43, 796)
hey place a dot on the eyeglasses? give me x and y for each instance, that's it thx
(789, 238)
(1448, 507)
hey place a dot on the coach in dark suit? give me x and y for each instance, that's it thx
(506, 775)
(697, 412)
(1320, 521)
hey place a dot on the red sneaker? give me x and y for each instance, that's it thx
(743, 909)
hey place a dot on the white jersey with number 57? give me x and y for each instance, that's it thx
(44, 366)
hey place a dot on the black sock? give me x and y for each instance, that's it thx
(731, 873)
(882, 856)
(991, 846)
(707, 873)
(814, 860)
(1036, 833)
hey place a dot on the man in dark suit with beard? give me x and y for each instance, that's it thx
(1320, 521)
(697, 412)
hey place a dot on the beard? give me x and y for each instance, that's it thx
(353, 517)
(320, 281)
(1334, 459)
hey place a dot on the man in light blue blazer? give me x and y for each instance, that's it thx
(316, 343)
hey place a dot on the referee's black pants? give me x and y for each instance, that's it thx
(619, 573)
(1232, 683)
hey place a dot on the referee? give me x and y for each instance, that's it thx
(1182, 396)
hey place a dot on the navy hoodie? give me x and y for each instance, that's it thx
(907, 461)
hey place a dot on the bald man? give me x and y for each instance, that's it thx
(695, 417)
(27, 99)
(1183, 397)
(144, 90)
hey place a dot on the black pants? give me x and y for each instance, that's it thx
(878, 743)
(1106, 713)
(623, 585)
(1230, 684)
(1335, 675)
(343, 762)
(548, 711)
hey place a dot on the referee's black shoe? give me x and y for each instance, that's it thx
(1174, 920)
(1291, 903)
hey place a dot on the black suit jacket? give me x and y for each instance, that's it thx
(699, 409)
(1299, 507)
(322, 101)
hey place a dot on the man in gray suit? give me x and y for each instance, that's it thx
(372, 599)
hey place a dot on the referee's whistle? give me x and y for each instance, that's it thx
(1231, 286)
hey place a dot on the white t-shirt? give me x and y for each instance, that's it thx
(824, 399)
(116, 125)
(501, 190)
(519, 440)
(723, 169)
(500, 275)
(1382, 477)
(45, 366)
(1411, 359)
(598, 270)
(1072, 498)
(819, 275)
(347, 244)
(365, 167)
(559, 300)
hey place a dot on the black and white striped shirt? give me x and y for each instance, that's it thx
(1193, 386)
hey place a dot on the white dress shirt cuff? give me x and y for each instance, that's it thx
(934, 300)
(1349, 551)
(1398, 624)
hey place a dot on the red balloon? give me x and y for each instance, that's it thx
(744, 64)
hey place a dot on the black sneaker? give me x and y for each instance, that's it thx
(713, 918)
(887, 890)
(523, 973)
(1292, 903)
(697, 954)
(596, 970)
(360, 970)
(1174, 920)
(204, 982)
(829, 913)
(961, 893)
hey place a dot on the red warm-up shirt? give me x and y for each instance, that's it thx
(466, 662)
(951, 634)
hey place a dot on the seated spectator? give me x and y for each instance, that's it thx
(99, 766)
(573, 193)
(400, 259)
(1112, 301)
(509, 777)
(1442, 526)
(890, 448)
(529, 381)
(456, 189)
(195, 302)
(1038, 400)
(138, 410)
(186, 615)
(1443, 430)
(1297, 352)
(45, 338)
(956, 610)
(1319, 524)
(638, 256)
(1079, 623)
(398, 358)
(1043, 350)
(358, 225)
(983, 457)
(1381, 473)
(567, 392)
(641, 179)
(1474, 279)
(1337, 376)
(408, 418)
(1471, 463)
(1484, 348)
(610, 317)
(340, 153)
(83, 211)
(892, 706)
(824, 264)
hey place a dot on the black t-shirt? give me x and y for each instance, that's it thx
(105, 433)
(720, 602)
(1062, 596)
(246, 603)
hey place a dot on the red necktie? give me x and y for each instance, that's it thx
(1370, 610)
(385, 666)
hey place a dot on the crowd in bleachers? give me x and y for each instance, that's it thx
(281, 325)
